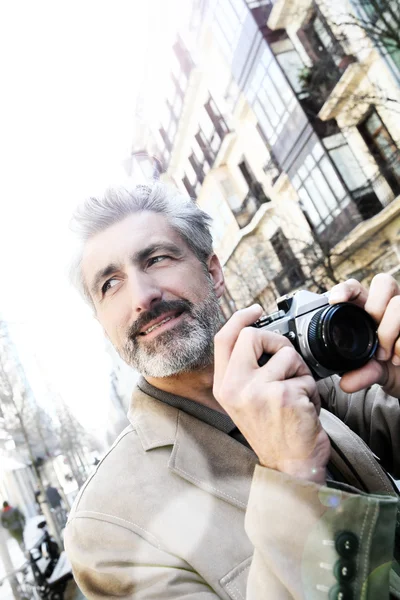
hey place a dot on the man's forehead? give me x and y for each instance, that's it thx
(132, 234)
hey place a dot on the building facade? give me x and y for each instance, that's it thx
(280, 121)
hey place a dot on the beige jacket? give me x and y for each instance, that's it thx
(179, 510)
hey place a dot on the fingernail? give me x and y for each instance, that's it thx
(381, 354)
(396, 361)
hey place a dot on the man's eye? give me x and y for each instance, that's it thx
(108, 285)
(156, 259)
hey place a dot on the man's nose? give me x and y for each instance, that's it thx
(144, 291)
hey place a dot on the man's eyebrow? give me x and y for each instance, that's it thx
(102, 274)
(140, 256)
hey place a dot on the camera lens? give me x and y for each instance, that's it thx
(342, 337)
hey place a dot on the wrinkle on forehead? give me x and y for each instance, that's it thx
(116, 244)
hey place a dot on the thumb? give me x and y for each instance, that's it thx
(372, 372)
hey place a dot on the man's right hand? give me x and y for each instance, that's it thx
(275, 406)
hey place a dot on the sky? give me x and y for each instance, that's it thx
(70, 74)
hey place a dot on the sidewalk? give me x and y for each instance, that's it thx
(18, 560)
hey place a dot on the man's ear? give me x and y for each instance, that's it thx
(216, 274)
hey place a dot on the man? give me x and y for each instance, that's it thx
(222, 486)
(13, 520)
(53, 497)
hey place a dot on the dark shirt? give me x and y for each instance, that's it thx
(204, 413)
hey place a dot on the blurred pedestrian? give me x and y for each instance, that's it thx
(13, 520)
(53, 496)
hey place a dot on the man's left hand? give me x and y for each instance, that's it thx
(382, 302)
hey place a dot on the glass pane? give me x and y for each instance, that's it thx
(263, 120)
(324, 189)
(177, 104)
(302, 172)
(309, 162)
(348, 167)
(317, 197)
(197, 151)
(318, 151)
(266, 58)
(331, 177)
(386, 145)
(373, 123)
(296, 182)
(291, 65)
(257, 77)
(274, 97)
(190, 173)
(322, 33)
(285, 92)
(206, 125)
(309, 207)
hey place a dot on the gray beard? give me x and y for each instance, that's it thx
(189, 346)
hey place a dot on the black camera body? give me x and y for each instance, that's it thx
(331, 338)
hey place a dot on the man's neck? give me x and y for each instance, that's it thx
(197, 386)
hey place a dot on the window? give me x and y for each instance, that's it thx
(290, 62)
(255, 187)
(216, 118)
(384, 19)
(189, 187)
(291, 269)
(322, 194)
(353, 175)
(183, 57)
(383, 148)
(270, 96)
(166, 140)
(319, 41)
(197, 167)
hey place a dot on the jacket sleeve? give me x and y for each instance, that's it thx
(129, 568)
(371, 414)
(313, 542)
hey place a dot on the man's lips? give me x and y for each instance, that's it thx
(160, 322)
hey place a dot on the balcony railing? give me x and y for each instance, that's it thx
(319, 81)
(250, 205)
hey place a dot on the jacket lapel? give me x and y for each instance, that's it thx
(202, 454)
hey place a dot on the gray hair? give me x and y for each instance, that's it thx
(118, 202)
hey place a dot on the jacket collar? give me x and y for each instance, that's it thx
(202, 454)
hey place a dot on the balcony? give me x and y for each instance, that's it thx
(343, 91)
(250, 205)
(367, 202)
(289, 279)
(261, 10)
(285, 12)
(320, 84)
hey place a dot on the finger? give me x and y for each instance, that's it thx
(305, 387)
(360, 379)
(396, 354)
(382, 289)
(389, 329)
(252, 343)
(349, 291)
(226, 338)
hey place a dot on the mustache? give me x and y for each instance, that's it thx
(159, 309)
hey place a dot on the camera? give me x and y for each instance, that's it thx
(331, 338)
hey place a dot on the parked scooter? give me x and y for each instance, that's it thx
(51, 569)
